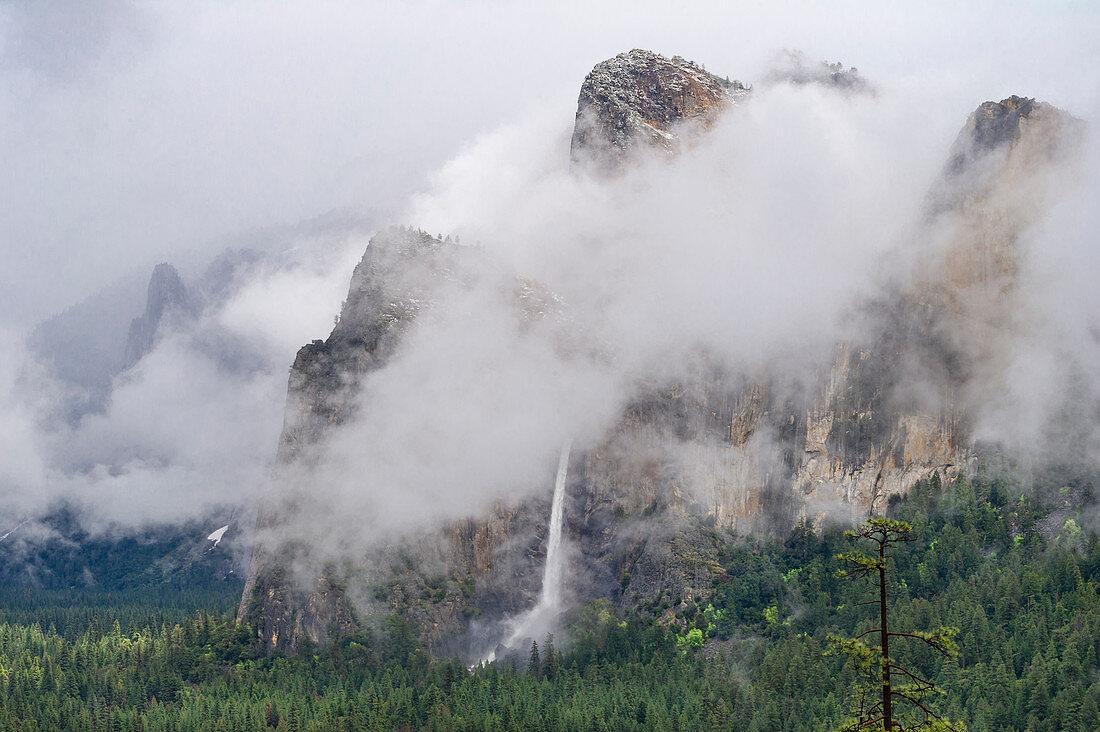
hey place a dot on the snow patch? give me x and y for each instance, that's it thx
(21, 523)
(217, 534)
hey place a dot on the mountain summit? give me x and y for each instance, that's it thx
(642, 99)
(167, 298)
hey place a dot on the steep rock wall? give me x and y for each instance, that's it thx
(438, 581)
(689, 462)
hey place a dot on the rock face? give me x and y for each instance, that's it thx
(944, 334)
(687, 463)
(438, 581)
(167, 297)
(642, 99)
(993, 188)
(727, 452)
(384, 296)
(396, 278)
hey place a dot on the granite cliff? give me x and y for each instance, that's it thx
(439, 580)
(694, 460)
(642, 99)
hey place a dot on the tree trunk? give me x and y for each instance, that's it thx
(887, 714)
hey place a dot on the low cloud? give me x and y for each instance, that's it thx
(192, 426)
(751, 250)
(747, 254)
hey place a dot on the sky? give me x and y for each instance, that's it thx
(134, 133)
(138, 132)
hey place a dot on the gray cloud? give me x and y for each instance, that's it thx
(208, 119)
(192, 425)
(165, 130)
(68, 41)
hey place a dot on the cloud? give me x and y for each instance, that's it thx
(763, 234)
(1049, 398)
(745, 254)
(164, 130)
(65, 42)
(182, 124)
(192, 426)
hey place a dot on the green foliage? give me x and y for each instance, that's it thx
(891, 696)
(1027, 607)
(690, 641)
(159, 557)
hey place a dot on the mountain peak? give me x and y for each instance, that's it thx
(643, 98)
(994, 123)
(1005, 124)
(166, 294)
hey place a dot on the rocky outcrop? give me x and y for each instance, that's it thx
(438, 581)
(383, 298)
(167, 298)
(993, 188)
(399, 275)
(688, 463)
(642, 99)
(793, 67)
(1001, 126)
(899, 405)
(92, 342)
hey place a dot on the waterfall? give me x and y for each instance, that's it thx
(553, 574)
(541, 616)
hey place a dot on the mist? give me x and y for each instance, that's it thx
(136, 134)
(132, 131)
(751, 252)
(188, 430)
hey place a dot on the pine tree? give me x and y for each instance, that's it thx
(534, 665)
(550, 658)
(874, 699)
